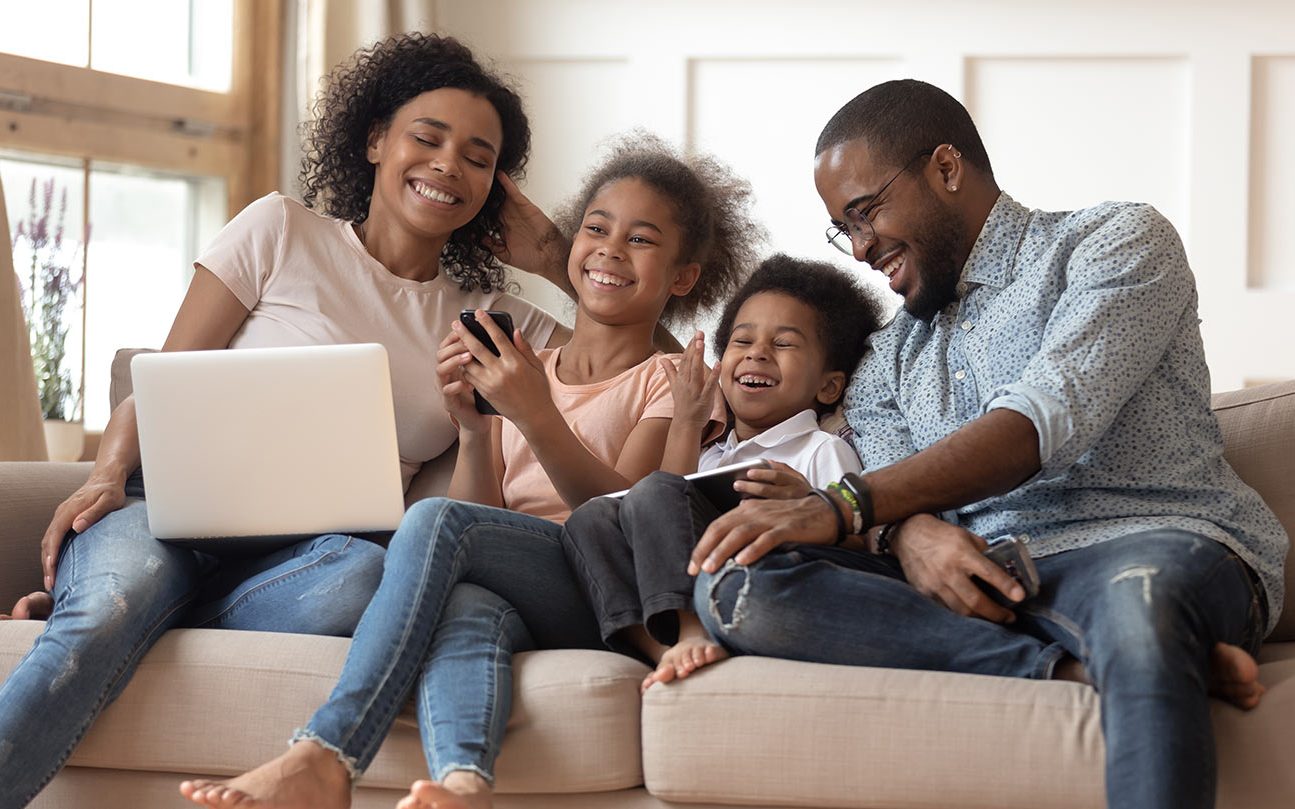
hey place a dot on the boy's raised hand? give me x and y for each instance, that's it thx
(451, 357)
(778, 482)
(692, 384)
(514, 382)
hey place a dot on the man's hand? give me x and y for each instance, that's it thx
(531, 243)
(756, 527)
(939, 560)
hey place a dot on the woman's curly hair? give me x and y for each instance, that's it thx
(364, 92)
(712, 208)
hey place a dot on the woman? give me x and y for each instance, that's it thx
(404, 182)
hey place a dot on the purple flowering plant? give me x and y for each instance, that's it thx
(52, 286)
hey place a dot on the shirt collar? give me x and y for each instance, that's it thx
(988, 265)
(805, 421)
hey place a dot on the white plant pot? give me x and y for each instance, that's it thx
(64, 440)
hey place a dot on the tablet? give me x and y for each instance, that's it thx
(717, 483)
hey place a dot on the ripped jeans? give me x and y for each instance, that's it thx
(1141, 613)
(118, 590)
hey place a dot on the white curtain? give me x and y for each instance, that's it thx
(21, 436)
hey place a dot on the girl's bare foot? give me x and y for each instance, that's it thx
(694, 650)
(306, 777)
(1234, 676)
(32, 607)
(459, 790)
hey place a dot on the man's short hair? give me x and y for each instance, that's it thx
(899, 119)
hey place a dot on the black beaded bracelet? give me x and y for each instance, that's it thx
(884, 535)
(841, 531)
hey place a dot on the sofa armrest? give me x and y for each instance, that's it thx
(29, 493)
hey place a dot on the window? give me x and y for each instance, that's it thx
(155, 145)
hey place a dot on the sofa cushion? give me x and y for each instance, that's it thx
(763, 731)
(219, 702)
(1258, 427)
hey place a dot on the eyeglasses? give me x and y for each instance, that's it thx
(858, 227)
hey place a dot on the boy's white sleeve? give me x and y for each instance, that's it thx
(830, 461)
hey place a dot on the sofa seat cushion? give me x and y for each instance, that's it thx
(219, 702)
(763, 731)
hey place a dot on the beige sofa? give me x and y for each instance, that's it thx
(748, 731)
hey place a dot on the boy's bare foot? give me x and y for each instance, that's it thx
(32, 607)
(459, 790)
(1234, 676)
(694, 650)
(306, 777)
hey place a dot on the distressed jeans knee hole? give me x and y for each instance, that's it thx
(731, 568)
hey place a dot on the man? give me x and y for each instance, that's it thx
(1045, 379)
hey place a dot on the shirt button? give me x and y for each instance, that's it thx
(966, 325)
(960, 375)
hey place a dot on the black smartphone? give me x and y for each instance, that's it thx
(1013, 557)
(468, 317)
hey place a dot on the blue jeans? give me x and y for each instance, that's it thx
(1141, 613)
(117, 590)
(464, 587)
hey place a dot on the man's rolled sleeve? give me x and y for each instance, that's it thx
(1128, 289)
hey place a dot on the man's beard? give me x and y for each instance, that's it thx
(940, 237)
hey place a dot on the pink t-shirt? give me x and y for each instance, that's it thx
(601, 414)
(306, 279)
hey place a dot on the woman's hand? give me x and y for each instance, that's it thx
(98, 496)
(778, 482)
(531, 243)
(456, 392)
(692, 385)
(514, 382)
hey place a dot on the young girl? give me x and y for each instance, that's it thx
(400, 189)
(467, 584)
(788, 340)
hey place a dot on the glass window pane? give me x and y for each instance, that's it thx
(44, 199)
(146, 229)
(53, 30)
(189, 43)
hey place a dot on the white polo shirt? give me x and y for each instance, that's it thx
(798, 442)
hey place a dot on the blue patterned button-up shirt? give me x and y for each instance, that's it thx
(1084, 322)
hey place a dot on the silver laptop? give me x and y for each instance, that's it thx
(267, 444)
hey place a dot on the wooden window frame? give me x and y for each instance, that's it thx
(88, 114)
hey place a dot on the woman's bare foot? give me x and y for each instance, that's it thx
(459, 790)
(694, 650)
(306, 777)
(32, 607)
(1234, 676)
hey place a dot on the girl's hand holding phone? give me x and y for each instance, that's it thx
(514, 382)
(452, 356)
(692, 384)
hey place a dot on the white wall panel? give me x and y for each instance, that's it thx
(1188, 105)
(1272, 175)
(574, 106)
(1066, 133)
(763, 118)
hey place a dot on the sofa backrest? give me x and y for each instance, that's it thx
(1259, 441)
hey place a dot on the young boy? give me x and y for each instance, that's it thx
(788, 341)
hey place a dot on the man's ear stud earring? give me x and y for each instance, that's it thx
(953, 188)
